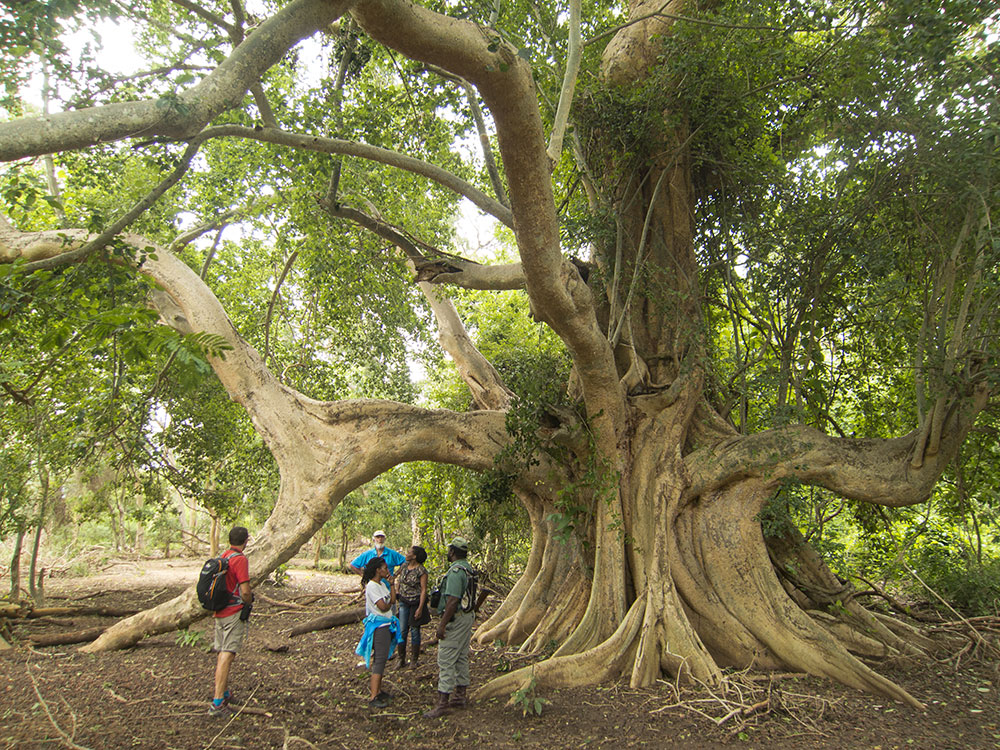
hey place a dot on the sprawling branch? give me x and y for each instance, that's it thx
(871, 470)
(379, 434)
(184, 116)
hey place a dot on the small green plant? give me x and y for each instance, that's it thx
(185, 637)
(528, 699)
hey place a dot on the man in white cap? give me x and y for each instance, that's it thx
(392, 558)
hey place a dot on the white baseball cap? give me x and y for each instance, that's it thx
(378, 533)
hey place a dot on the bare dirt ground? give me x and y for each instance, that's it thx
(314, 695)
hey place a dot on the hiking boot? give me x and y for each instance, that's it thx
(384, 695)
(378, 702)
(416, 655)
(222, 710)
(458, 698)
(402, 656)
(441, 708)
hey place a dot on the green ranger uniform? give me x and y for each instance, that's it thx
(453, 650)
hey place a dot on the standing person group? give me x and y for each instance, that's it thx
(457, 607)
(383, 631)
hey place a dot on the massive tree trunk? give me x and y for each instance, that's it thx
(668, 570)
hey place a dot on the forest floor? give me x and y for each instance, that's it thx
(314, 695)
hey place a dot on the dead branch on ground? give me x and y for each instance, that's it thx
(62, 639)
(745, 697)
(67, 739)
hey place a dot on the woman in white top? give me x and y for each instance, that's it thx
(379, 600)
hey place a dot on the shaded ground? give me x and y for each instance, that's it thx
(314, 694)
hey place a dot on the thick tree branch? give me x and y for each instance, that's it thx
(440, 268)
(871, 470)
(184, 116)
(558, 294)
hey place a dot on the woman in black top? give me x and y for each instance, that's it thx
(411, 587)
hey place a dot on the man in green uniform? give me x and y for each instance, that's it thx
(454, 632)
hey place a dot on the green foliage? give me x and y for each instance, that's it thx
(527, 699)
(970, 586)
(188, 638)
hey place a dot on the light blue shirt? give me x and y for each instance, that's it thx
(367, 643)
(392, 558)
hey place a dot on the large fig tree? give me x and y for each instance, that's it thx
(724, 210)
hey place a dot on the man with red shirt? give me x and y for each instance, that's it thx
(230, 627)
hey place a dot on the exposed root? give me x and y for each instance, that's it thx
(908, 633)
(740, 571)
(560, 619)
(496, 626)
(810, 582)
(727, 639)
(603, 662)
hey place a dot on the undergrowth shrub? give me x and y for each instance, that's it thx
(971, 587)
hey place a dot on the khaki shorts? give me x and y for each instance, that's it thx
(229, 632)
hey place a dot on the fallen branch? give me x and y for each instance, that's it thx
(11, 611)
(276, 602)
(80, 612)
(61, 639)
(295, 738)
(345, 617)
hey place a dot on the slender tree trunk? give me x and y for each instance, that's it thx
(213, 545)
(15, 566)
(317, 548)
(36, 592)
(344, 537)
